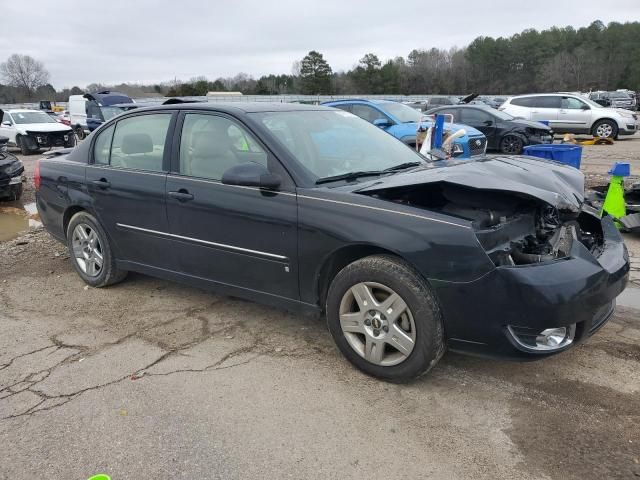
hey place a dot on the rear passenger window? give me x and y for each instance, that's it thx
(138, 142)
(210, 145)
(522, 102)
(546, 102)
(102, 146)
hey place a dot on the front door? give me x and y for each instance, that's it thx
(126, 180)
(235, 236)
(481, 120)
(574, 115)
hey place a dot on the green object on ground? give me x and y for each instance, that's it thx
(100, 476)
(614, 201)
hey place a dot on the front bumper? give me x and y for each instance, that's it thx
(37, 140)
(579, 290)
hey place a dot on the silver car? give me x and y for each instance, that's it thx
(567, 113)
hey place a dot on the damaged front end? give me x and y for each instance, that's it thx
(513, 229)
(557, 267)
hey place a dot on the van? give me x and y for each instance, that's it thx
(77, 107)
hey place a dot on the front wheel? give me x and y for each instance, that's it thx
(90, 251)
(23, 145)
(512, 145)
(79, 132)
(385, 319)
(605, 129)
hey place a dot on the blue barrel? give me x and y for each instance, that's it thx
(564, 153)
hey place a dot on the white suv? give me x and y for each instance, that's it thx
(573, 114)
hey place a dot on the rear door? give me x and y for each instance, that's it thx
(233, 235)
(574, 115)
(545, 108)
(126, 180)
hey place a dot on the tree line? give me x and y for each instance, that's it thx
(597, 57)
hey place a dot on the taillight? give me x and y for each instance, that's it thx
(36, 175)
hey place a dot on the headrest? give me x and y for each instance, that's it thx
(211, 143)
(137, 143)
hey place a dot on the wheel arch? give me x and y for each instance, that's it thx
(340, 258)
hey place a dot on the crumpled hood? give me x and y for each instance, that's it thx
(553, 183)
(44, 127)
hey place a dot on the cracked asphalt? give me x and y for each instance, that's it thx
(152, 380)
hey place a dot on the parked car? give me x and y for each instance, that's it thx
(402, 121)
(439, 101)
(612, 99)
(107, 112)
(32, 130)
(504, 132)
(63, 117)
(572, 114)
(85, 111)
(312, 209)
(11, 170)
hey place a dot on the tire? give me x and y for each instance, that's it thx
(79, 132)
(82, 251)
(605, 129)
(420, 319)
(22, 144)
(511, 145)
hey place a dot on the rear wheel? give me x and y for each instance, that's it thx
(384, 318)
(511, 144)
(605, 129)
(91, 252)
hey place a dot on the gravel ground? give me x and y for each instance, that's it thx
(149, 379)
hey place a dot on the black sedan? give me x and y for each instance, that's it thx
(504, 133)
(313, 209)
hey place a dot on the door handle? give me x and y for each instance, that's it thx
(102, 183)
(181, 195)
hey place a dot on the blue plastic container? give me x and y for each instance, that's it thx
(564, 153)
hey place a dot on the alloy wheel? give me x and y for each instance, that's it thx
(377, 323)
(511, 145)
(87, 251)
(604, 130)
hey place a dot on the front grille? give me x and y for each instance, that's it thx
(51, 139)
(477, 146)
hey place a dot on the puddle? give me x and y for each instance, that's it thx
(14, 220)
(630, 298)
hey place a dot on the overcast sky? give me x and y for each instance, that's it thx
(158, 40)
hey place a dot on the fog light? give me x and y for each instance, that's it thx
(39, 139)
(66, 137)
(551, 337)
(547, 340)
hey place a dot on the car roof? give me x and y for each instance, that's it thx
(359, 100)
(235, 107)
(21, 110)
(566, 94)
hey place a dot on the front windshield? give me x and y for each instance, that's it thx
(330, 143)
(502, 115)
(402, 112)
(22, 118)
(619, 95)
(109, 112)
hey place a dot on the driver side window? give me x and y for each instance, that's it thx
(368, 113)
(571, 103)
(210, 145)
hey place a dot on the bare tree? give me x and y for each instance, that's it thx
(24, 72)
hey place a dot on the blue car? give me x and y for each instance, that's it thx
(401, 121)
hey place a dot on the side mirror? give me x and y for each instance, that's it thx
(585, 107)
(251, 174)
(6, 123)
(382, 123)
(488, 123)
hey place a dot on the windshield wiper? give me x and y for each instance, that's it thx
(348, 176)
(401, 166)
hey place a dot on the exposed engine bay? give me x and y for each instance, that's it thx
(514, 229)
